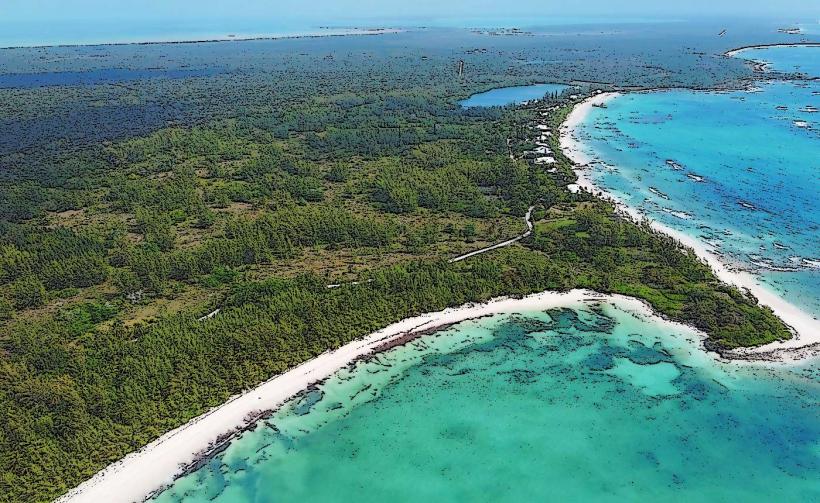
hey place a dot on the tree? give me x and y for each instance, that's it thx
(6, 309)
(126, 282)
(28, 292)
(468, 232)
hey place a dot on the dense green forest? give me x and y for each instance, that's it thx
(113, 246)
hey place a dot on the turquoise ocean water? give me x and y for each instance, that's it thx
(582, 404)
(802, 59)
(740, 170)
(585, 403)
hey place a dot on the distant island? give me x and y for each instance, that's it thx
(230, 37)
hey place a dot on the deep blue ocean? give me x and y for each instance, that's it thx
(739, 170)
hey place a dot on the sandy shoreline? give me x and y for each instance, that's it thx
(735, 52)
(807, 329)
(142, 473)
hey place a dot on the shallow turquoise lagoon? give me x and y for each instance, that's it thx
(584, 404)
(798, 59)
(511, 95)
(738, 170)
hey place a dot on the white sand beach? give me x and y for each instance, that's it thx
(734, 52)
(142, 473)
(806, 342)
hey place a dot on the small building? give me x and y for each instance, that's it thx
(545, 160)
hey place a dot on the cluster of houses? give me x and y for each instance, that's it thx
(542, 153)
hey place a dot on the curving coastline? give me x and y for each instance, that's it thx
(806, 340)
(734, 52)
(143, 473)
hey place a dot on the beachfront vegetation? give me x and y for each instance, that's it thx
(112, 249)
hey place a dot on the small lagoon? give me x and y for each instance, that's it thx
(511, 95)
(789, 59)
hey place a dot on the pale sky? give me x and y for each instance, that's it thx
(329, 11)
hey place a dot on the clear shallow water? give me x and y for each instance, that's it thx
(800, 59)
(739, 170)
(511, 95)
(574, 404)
